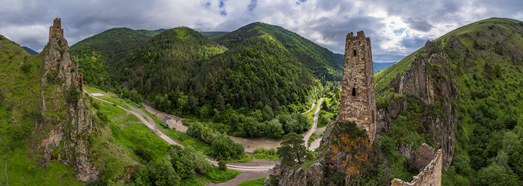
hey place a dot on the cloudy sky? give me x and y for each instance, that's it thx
(396, 27)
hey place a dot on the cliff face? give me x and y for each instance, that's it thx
(67, 122)
(344, 153)
(429, 81)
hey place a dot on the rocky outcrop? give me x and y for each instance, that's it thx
(428, 79)
(63, 133)
(344, 150)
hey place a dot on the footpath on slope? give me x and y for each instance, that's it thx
(312, 107)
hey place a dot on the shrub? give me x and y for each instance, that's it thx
(222, 165)
(73, 96)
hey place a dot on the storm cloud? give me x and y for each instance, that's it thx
(396, 27)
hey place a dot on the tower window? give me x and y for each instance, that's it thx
(354, 52)
(353, 91)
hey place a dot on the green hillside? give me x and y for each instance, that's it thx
(214, 35)
(181, 71)
(122, 149)
(19, 111)
(486, 70)
(320, 61)
(99, 54)
(168, 61)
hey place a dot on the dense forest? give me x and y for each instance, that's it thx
(259, 74)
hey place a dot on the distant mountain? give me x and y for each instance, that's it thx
(29, 50)
(151, 33)
(320, 61)
(380, 66)
(214, 35)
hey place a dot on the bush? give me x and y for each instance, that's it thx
(26, 68)
(102, 116)
(223, 148)
(222, 165)
(73, 96)
(162, 172)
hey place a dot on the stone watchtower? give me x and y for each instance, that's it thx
(357, 96)
(56, 30)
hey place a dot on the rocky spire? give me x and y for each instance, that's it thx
(67, 121)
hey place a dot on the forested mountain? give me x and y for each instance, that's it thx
(182, 71)
(30, 51)
(168, 61)
(467, 101)
(213, 35)
(98, 55)
(258, 67)
(320, 61)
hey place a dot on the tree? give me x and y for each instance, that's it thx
(292, 151)
(222, 165)
(220, 102)
(274, 129)
(495, 174)
(141, 177)
(163, 173)
(223, 148)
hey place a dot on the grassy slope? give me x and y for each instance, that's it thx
(488, 73)
(19, 93)
(253, 182)
(129, 133)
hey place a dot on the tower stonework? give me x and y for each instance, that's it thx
(56, 30)
(357, 97)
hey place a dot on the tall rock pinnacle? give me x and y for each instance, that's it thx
(63, 134)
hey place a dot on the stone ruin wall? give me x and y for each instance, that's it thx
(56, 30)
(430, 176)
(357, 100)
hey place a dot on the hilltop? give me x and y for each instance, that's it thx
(323, 63)
(99, 55)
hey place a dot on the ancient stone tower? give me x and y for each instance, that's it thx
(357, 96)
(56, 30)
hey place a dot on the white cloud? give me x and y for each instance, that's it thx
(396, 28)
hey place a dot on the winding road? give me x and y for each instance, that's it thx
(249, 170)
(149, 122)
(314, 124)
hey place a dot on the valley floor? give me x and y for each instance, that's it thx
(249, 170)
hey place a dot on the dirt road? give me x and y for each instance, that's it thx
(314, 124)
(149, 122)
